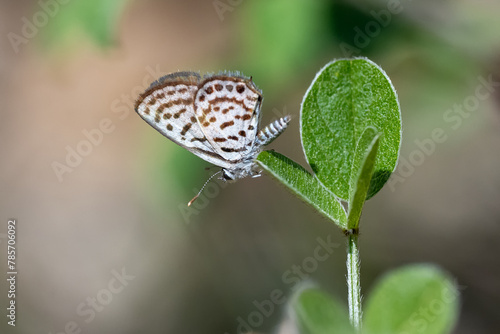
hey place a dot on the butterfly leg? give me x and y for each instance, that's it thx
(257, 175)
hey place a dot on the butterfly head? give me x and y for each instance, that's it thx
(248, 169)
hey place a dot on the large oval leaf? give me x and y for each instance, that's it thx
(345, 98)
(412, 300)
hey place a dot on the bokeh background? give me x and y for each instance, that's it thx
(122, 206)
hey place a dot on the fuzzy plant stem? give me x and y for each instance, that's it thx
(353, 281)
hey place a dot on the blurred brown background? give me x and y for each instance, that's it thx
(68, 68)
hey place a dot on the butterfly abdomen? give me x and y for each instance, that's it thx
(272, 131)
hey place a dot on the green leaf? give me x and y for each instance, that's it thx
(361, 175)
(303, 184)
(318, 313)
(344, 99)
(413, 299)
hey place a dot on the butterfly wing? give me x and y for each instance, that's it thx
(227, 108)
(168, 106)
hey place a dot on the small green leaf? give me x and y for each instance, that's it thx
(413, 299)
(303, 184)
(318, 313)
(364, 162)
(344, 99)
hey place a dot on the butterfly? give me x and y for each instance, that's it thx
(216, 117)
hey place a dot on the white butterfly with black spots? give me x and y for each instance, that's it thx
(216, 117)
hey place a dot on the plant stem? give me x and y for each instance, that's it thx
(353, 281)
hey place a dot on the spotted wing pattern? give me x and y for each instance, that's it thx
(168, 106)
(227, 109)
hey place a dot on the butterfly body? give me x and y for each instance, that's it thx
(216, 117)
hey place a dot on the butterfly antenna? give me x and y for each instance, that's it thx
(199, 193)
